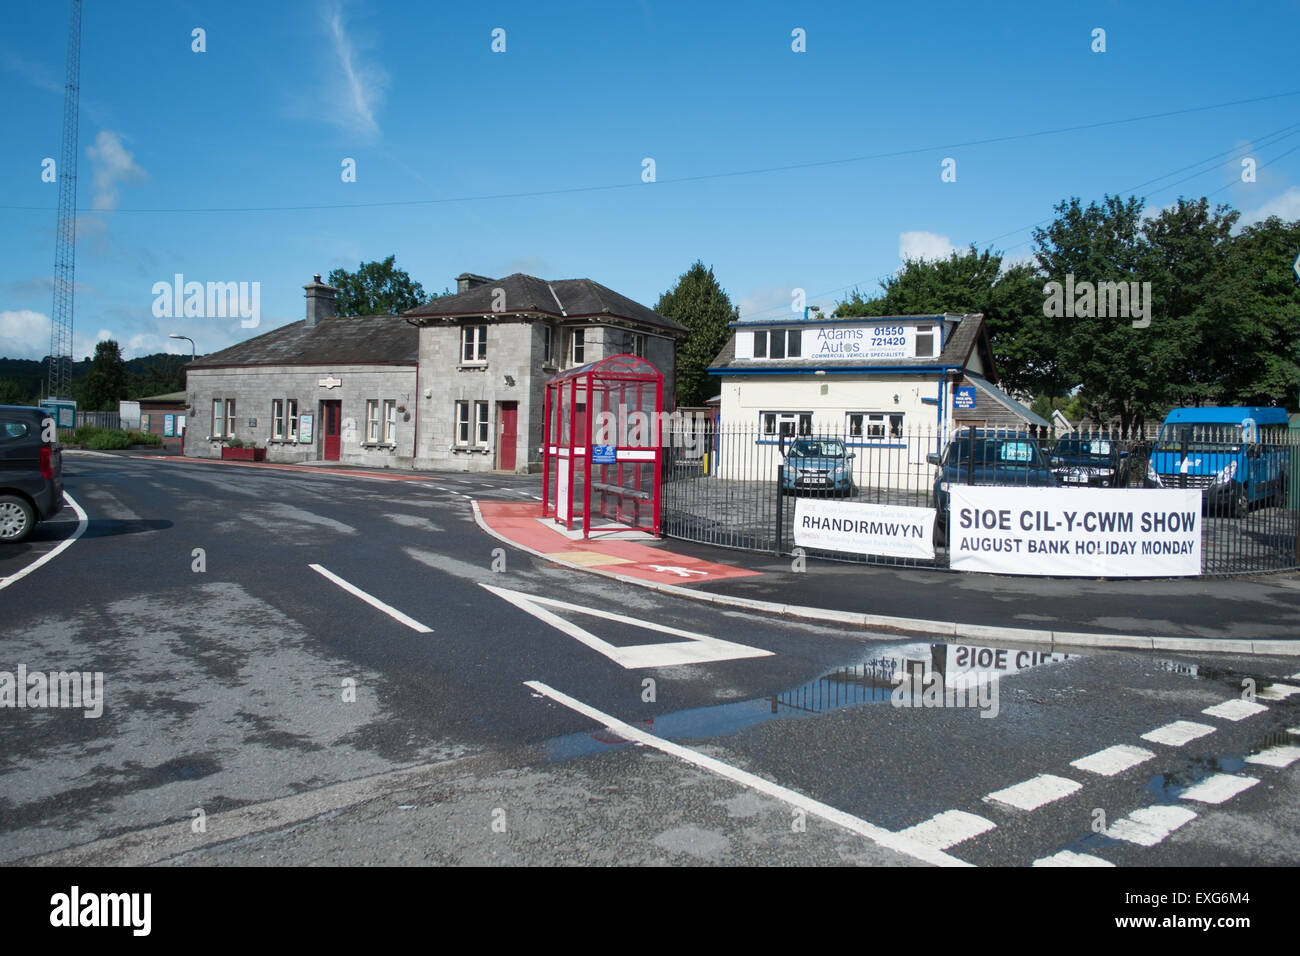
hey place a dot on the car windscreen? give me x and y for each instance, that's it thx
(1206, 437)
(816, 449)
(997, 453)
(1084, 447)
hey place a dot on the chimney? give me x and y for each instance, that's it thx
(320, 301)
(468, 280)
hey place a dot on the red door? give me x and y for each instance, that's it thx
(509, 436)
(331, 418)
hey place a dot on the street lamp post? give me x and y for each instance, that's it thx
(193, 355)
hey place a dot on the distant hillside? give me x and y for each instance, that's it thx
(22, 380)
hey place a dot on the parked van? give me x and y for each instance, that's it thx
(1233, 454)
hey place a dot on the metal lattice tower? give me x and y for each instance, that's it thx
(65, 246)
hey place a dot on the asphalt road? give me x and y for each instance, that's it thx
(313, 668)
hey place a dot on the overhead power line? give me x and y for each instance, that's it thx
(812, 164)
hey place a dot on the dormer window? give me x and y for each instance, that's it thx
(778, 343)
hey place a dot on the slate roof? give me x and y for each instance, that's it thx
(1006, 401)
(560, 298)
(339, 340)
(963, 339)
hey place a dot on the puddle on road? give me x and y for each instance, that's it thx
(870, 681)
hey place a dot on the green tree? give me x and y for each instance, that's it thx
(105, 383)
(1251, 312)
(1184, 264)
(12, 392)
(699, 303)
(1124, 370)
(376, 288)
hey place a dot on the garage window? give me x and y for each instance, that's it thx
(778, 343)
(775, 424)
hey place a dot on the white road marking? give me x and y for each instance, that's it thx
(1218, 788)
(374, 602)
(1283, 755)
(1235, 709)
(882, 837)
(1113, 760)
(698, 649)
(948, 829)
(1149, 826)
(82, 522)
(1068, 858)
(1035, 792)
(1277, 692)
(1178, 733)
(677, 570)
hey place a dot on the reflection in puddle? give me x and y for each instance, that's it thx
(872, 681)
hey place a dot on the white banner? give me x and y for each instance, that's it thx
(860, 528)
(1091, 532)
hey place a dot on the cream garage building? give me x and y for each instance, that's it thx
(893, 386)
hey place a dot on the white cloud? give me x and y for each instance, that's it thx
(24, 334)
(356, 87)
(1285, 205)
(113, 166)
(923, 245)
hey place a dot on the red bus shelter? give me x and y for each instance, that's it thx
(601, 440)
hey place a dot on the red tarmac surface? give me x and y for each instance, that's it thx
(518, 522)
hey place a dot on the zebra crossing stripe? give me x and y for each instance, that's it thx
(1219, 788)
(1149, 826)
(1113, 760)
(1178, 733)
(1069, 858)
(948, 829)
(1235, 709)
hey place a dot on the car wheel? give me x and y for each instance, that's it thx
(17, 518)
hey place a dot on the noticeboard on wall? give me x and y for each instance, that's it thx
(169, 426)
(305, 428)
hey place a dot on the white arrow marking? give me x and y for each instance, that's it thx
(679, 571)
(698, 649)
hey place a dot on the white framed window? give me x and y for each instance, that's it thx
(462, 424)
(482, 427)
(473, 344)
(372, 421)
(291, 415)
(579, 351)
(638, 345)
(778, 343)
(223, 418)
(873, 426)
(277, 419)
(390, 422)
(548, 343)
(775, 424)
(924, 341)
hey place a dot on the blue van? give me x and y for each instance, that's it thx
(1234, 455)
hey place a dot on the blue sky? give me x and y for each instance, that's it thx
(582, 94)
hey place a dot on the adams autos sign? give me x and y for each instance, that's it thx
(1094, 532)
(864, 528)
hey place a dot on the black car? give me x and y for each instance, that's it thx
(31, 471)
(1089, 463)
(986, 456)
